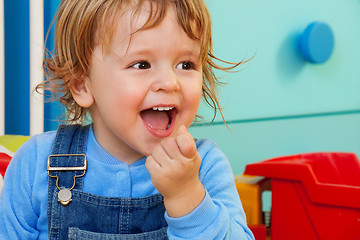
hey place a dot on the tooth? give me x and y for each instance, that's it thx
(162, 108)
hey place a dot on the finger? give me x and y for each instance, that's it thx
(171, 148)
(160, 155)
(186, 143)
(151, 164)
(182, 130)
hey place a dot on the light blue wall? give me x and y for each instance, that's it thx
(253, 141)
(278, 81)
(279, 104)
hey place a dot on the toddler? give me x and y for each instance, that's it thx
(138, 69)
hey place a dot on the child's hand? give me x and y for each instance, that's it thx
(174, 167)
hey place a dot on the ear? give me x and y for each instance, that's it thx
(81, 92)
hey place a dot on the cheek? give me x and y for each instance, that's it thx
(124, 94)
(198, 93)
(194, 99)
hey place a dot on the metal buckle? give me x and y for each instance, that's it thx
(64, 195)
(83, 168)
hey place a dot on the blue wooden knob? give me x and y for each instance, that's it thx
(317, 42)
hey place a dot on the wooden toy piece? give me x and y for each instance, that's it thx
(250, 189)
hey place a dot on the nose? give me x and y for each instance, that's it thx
(166, 80)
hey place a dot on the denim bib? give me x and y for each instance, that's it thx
(74, 214)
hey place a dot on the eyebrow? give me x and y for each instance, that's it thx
(185, 52)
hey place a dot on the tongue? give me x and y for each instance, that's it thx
(158, 120)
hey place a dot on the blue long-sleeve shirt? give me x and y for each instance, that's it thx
(23, 200)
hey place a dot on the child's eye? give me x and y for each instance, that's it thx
(186, 65)
(141, 65)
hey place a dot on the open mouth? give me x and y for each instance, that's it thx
(159, 120)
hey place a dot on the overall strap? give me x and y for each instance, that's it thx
(66, 165)
(70, 139)
(68, 157)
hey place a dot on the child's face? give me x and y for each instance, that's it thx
(158, 68)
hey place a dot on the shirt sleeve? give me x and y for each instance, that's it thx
(17, 216)
(220, 215)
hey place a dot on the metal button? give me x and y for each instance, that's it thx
(64, 196)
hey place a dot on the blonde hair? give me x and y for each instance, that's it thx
(78, 23)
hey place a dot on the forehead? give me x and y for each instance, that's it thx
(132, 18)
(166, 37)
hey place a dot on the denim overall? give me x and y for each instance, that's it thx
(88, 216)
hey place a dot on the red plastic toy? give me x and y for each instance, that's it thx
(259, 231)
(4, 162)
(314, 196)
